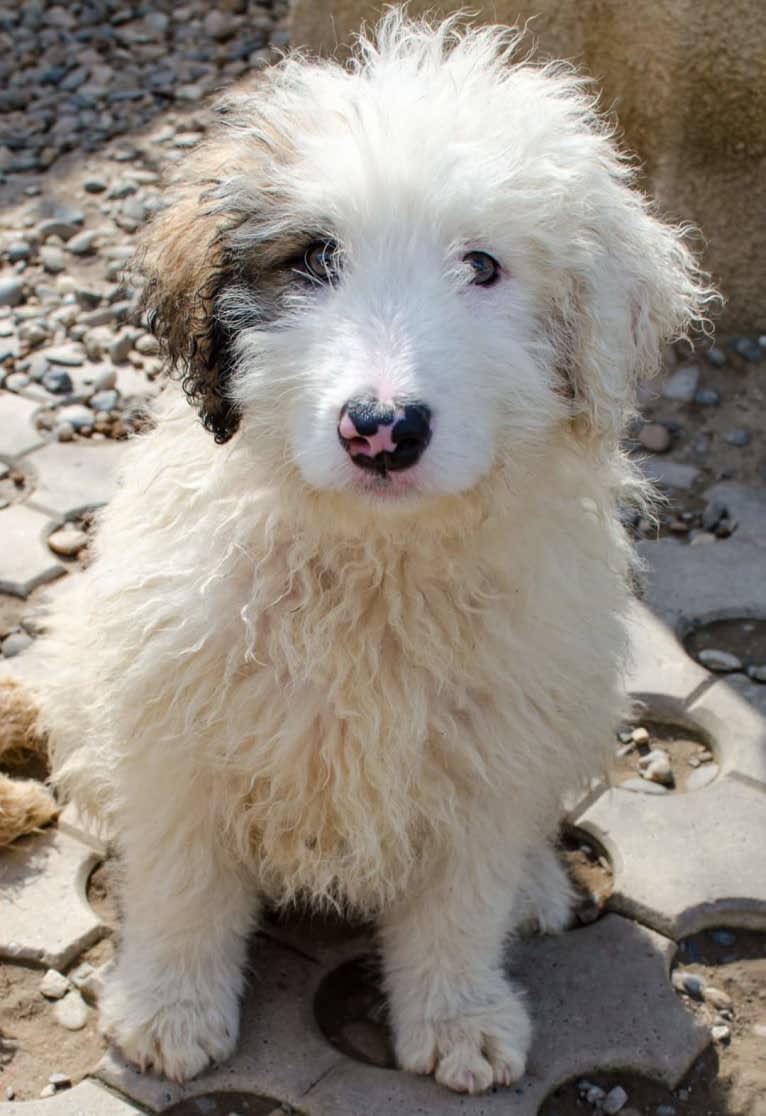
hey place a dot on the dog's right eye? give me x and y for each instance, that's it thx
(322, 260)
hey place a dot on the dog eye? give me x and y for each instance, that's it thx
(321, 260)
(485, 269)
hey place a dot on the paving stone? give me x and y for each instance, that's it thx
(86, 1099)
(737, 724)
(683, 862)
(703, 582)
(44, 915)
(281, 1051)
(25, 560)
(659, 664)
(17, 432)
(76, 476)
(601, 999)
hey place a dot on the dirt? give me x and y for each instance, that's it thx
(728, 1080)
(687, 751)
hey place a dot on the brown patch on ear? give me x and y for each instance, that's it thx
(182, 262)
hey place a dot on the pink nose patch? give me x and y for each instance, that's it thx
(370, 444)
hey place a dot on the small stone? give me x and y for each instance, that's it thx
(643, 786)
(64, 431)
(120, 347)
(682, 384)
(595, 1095)
(689, 983)
(52, 259)
(123, 189)
(721, 661)
(105, 380)
(697, 538)
(655, 437)
(656, 766)
(18, 250)
(16, 381)
(78, 415)
(60, 1080)
(640, 735)
(712, 515)
(94, 185)
(10, 1092)
(104, 400)
(147, 345)
(11, 291)
(14, 644)
(614, 1101)
(707, 397)
(702, 777)
(748, 349)
(757, 673)
(720, 1032)
(717, 998)
(68, 541)
(716, 356)
(665, 1110)
(72, 1011)
(82, 244)
(54, 985)
(739, 437)
(189, 92)
(57, 381)
(726, 527)
(723, 937)
(47, 1091)
(71, 356)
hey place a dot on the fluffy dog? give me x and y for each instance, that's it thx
(354, 634)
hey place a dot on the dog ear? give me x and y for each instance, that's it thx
(184, 266)
(637, 286)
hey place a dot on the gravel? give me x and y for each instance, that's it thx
(722, 661)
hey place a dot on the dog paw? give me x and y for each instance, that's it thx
(175, 1034)
(471, 1053)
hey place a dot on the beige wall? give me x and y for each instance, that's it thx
(687, 82)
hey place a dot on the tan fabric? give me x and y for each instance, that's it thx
(687, 82)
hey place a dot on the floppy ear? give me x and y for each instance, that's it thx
(184, 265)
(636, 286)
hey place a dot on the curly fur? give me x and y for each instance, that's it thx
(281, 675)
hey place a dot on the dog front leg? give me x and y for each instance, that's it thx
(454, 1013)
(172, 1000)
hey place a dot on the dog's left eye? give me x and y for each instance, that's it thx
(486, 269)
(321, 260)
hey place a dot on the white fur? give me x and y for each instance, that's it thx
(281, 676)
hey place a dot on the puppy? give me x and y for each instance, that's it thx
(353, 635)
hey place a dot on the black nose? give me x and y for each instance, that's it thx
(384, 436)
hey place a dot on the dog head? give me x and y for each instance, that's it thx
(394, 277)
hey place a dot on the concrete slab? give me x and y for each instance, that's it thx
(715, 582)
(281, 1050)
(17, 431)
(601, 1000)
(86, 1099)
(25, 560)
(683, 862)
(729, 712)
(44, 914)
(75, 475)
(659, 664)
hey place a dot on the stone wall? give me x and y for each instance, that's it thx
(687, 82)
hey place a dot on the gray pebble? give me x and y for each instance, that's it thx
(72, 1011)
(52, 259)
(739, 437)
(16, 381)
(18, 250)
(82, 244)
(702, 776)
(71, 357)
(36, 367)
(717, 660)
(757, 673)
(655, 437)
(47, 1091)
(716, 356)
(713, 514)
(689, 983)
(64, 431)
(748, 349)
(94, 185)
(707, 397)
(665, 1110)
(718, 999)
(106, 400)
(615, 1101)
(643, 786)
(15, 643)
(55, 227)
(120, 347)
(58, 381)
(682, 384)
(54, 985)
(76, 415)
(11, 290)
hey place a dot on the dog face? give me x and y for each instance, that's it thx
(397, 277)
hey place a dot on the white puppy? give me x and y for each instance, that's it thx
(356, 644)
